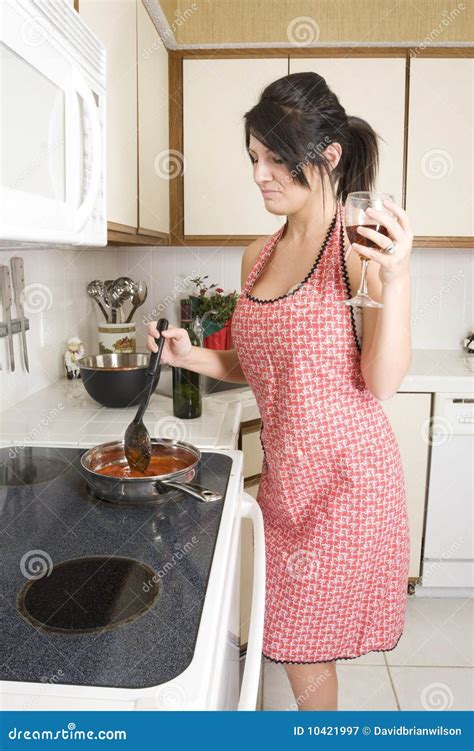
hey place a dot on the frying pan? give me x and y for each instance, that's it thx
(140, 490)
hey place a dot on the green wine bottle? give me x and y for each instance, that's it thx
(187, 397)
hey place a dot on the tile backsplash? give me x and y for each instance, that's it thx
(59, 307)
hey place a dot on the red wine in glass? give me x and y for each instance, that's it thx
(355, 237)
(355, 216)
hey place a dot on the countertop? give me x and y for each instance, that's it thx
(440, 371)
(63, 414)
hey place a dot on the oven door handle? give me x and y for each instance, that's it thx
(253, 661)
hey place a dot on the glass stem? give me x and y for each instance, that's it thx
(363, 282)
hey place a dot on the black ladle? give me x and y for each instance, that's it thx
(138, 446)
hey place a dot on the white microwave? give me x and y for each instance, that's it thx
(53, 125)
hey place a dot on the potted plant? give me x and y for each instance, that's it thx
(214, 307)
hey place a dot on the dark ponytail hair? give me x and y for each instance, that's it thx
(298, 116)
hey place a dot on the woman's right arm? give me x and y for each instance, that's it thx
(180, 353)
(223, 365)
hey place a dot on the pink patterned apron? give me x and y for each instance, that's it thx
(332, 489)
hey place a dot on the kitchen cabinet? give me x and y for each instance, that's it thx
(252, 448)
(440, 147)
(409, 416)
(153, 131)
(220, 195)
(115, 24)
(216, 201)
(137, 120)
(361, 84)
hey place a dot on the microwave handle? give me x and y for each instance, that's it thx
(83, 212)
(253, 661)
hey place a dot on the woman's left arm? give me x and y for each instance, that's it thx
(386, 345)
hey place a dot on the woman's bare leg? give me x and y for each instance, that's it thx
(314, 685)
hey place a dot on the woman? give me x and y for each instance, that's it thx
(332, 487)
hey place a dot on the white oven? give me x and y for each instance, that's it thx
(52, 109)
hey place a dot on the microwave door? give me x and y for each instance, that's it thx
(38, 104)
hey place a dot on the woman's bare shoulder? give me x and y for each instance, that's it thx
(250, 255)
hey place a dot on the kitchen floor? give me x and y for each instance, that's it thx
(430, 669)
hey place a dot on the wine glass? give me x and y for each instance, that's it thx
(355, 216)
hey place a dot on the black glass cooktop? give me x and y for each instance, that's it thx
(93, 593)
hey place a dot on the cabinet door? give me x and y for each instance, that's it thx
(409, 416)
(374, 89)
(115, 24)
(153, 145)
(440, 147)
(220, 195)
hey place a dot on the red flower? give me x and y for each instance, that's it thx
(219, 290)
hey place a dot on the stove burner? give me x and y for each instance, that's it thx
(29, 465)
(90, 495)
(94, 593)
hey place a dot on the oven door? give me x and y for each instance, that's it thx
(51, 160)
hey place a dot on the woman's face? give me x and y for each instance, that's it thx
(281, 193)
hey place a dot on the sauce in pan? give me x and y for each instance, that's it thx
(159, 465)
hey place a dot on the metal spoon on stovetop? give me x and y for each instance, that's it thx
(137, 443)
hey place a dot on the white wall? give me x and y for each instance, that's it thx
(442, 299)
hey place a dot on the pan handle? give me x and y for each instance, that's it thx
(198, 491)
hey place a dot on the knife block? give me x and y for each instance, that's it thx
(16, 326)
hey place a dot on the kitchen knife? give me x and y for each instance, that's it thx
(7, 304)
(18, 276)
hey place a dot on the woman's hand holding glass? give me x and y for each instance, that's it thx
(384, 235)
